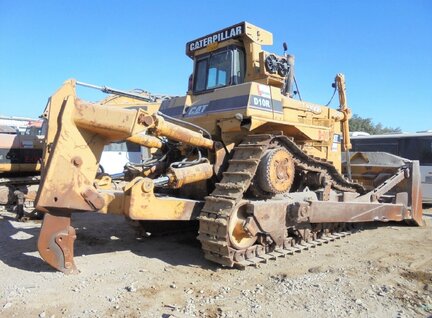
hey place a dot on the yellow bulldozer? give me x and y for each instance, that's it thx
(258, 167)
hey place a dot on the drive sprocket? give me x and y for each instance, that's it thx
(276, 171)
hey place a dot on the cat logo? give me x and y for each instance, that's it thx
(196, 110)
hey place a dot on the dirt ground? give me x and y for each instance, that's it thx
(384, 270)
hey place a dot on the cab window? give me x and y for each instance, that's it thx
(201, 73)
(239, 67)
(219, 69)
(213, 71)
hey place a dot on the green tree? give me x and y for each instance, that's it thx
(358, 123)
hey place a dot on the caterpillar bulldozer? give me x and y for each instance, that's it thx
(258, 168)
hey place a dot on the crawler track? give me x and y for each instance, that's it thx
(291, 250)
(229, 192)
(19, 180)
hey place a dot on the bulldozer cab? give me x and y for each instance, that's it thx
(237, 87)
(232, 56)
(223, 67)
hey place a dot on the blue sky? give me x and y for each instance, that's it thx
(384, 48)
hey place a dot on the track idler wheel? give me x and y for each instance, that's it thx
(240, 237)
(56, 242)
(276, 171)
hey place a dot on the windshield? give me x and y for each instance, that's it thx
(213, 71)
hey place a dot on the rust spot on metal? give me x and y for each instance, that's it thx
(145, 120)
(77, 161)
(93, 198)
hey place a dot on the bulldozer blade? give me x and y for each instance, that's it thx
(56, 241)
(416, 195)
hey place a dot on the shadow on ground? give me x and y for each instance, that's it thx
(98, 234)
(101, 234)
(18, 243)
